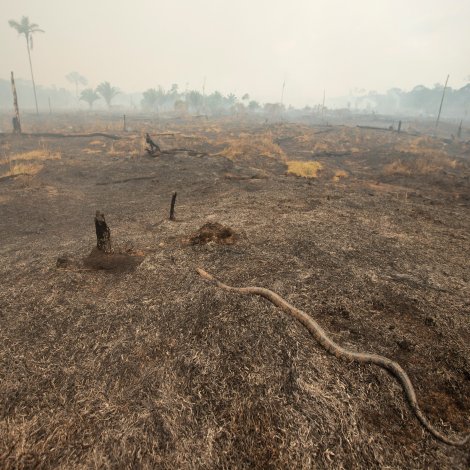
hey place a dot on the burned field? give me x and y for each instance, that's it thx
(149, 366)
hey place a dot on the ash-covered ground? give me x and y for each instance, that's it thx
(151, 367)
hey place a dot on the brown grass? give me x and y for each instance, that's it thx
(246, 145)
(305, 169)
(27, 163)
(16, 169)
(339, 175)
(424, 165)
(36, 155)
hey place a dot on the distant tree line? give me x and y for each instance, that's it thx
(159, 100)
(418, 101)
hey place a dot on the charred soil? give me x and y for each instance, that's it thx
(141, 364)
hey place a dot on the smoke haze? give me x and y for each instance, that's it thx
(248, 46)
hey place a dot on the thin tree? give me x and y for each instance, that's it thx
(89, 96)
(107, 91)
(76, 79)
(28, 29)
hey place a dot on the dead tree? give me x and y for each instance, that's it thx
(172, 206)
(16, 119)
(152, 148)
(103, 234)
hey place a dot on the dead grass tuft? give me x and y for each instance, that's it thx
(340, 174)
(425, 165)
(305, 169)
(29, 169)
(16, 162)
(247, 145)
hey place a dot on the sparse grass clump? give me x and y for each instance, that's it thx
(247, 145)
(305, 169)
(340, 174)
(40, 154)
(24, 169)
(16, 163)
(425, 165)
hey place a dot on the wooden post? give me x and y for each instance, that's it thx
(459, 130)
(172, 207)
(49, 101)
(16, 119)
(103, 234)
(399, 126)
(124, 123)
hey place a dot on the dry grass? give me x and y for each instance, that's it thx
(23, 169)
(305, 169)
(27, 163)
(425, 165)
(247, 145)
(37, 155)
(339, 175)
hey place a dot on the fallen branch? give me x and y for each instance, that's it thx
(190, 152)
(341, 353)
(137, 178)
(61, 136)
(7, 177)
(374, 128)
(325, 131)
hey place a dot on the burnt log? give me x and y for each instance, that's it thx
(152, 148)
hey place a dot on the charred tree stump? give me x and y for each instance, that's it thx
(103, 234)
(172, 206)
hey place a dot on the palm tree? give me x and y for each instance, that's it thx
(107, 91)
(90, 96)
(231, 99)
(77, 79)
(28, 29)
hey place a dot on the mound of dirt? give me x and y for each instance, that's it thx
(114, 262)
(213, 232)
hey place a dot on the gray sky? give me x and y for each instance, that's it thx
(243, 45)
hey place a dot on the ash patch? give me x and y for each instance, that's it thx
(113, 262)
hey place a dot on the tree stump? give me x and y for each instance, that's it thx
(172, 206)
(103, 234)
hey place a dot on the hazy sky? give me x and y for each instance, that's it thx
(243, 45)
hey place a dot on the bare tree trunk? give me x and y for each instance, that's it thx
(32, 76)
(16, 119)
